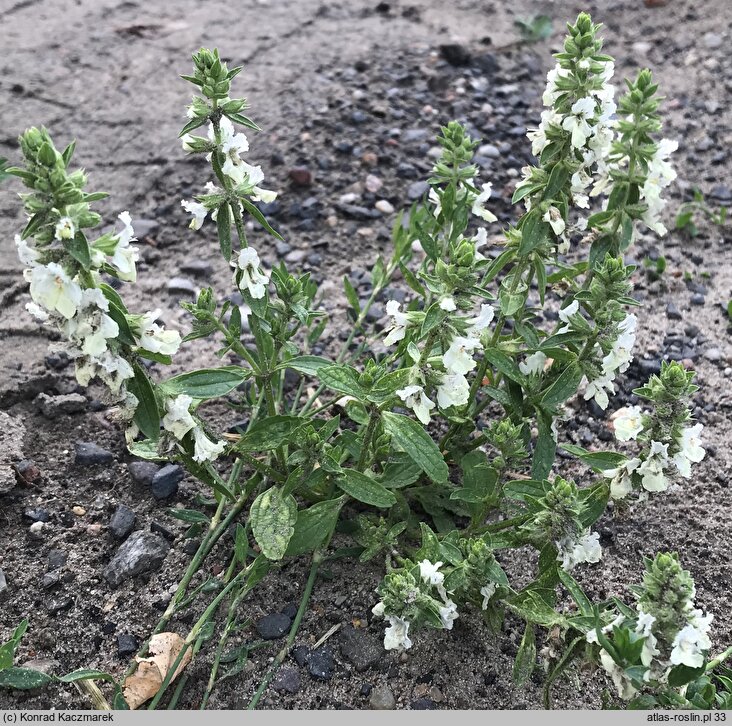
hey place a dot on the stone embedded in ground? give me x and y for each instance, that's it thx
(300, 653)
(60, 605)
(37, 515)
(57, 559)
(145, 227)
(300, 176)
(3, 585)
(122, 521)
(697, 299)
(197, 268)
(287, 680)
(273, 626)
(423, 704)
(126, 644)
(142, 472)
(89, 454)
(290, 610)
(28, 471)
(455, 54)
(384, 206)
(182, 286)
(165, 482)
(50, 579)
(321, 664)
(141, 552)
(382, 698)
(12, 434)
(672, 312)
(360, 647)
(55, 406)
(417, 189)
(158, 528)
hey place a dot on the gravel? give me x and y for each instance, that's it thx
(141, 552)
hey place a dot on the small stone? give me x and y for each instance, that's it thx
(78, 511)
(142, 472)
(182, 286)
(370, 158)
(94, 530)
(697, 299)
(145, 228)
(721, 192)
(373, 183)
(50, 579)
(55, 406)
(414, 135)
(321, 664)
(122, 521)
(455, 54)
(3, 585)
(384, 206)
(158, 528)
(712, 40)
(490, 151)
(287, 680)
(197, 268)
(37, 515)
(89, 454)
(672, 312)
(290, 610)
(36, 529)
(141, 552)
(300, 653)
(361, 648)
(418, 189)
(165, 482)
(28, 471)
(423, 704)
(300, 176)
(382, 699)
(365, 690)
(713, 354)
(56, 559)
(63, 603)
(273, 626)
(126, 644)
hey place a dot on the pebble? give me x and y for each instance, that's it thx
(63, 603)
(697, 299)
(37, 515)
(417, 189)
(36, 529)
(55, 406)
(721, 192)
(158, 528)
(672, 312)
(141, 552)
(28, 471)
(197, 268)
(56, 559)
(300, 176)
(122, 521)
(287, 680)
(142, 472)
(712, 40)
(182, 286)
(384, 206)
(489, 150)
(3, 585)
(361, 648)
(355, 211)
(273, 626)
(78, 511)
(373, 183)
(89, 454)
(126, 644)
(455, 54)
(300, 653)
(321, 664)
(713, 354)
(165, 482)
(145, 228)
(50, 579)
(382, 699)
(423, 704)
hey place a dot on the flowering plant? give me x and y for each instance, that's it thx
(449, 435)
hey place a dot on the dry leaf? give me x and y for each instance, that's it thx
(145, 682)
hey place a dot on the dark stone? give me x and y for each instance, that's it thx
(162, 531)
(28, 471)
(287, 680)
(122, 521)
(353, 211)
(197, 268)
(273, 626)
(423, 704)
(141, 552)
(165, 482)
(3, 585)
(63, 603)
(126, 644)
(672, 312)
(300, 176)
(321, 664)
(361, 648)
(145, 227)
(50, 579)
(89, 454)
(418, 189)
(359, 117)
(697, 299)
(290, 610)
(57, 361)
(365, 690)
(301, 654)
(37, 515)
(56, 559)
(191, 546)
(109, 627)
(455, 54)
(182, 286)
(721, 192)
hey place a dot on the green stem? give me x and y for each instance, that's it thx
(718, 660)
(368, 435)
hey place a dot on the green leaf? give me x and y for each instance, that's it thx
(24, 679)
(306, 364)
(504, 363)
(86, 674)
(400, 474)
(534, 232)
(269, 433)
(546, 446)
(594, 501)
(563, 387)
(7, 650)
(191, 516)
(583, 602)
(146, 449)
(598, 460)
(411, 279)
(533, 608)
(525, 661)
(223, 227)
(351, 294)
(412, 438)
(433, 317)
(125, 334)
(206, 383)
(342, 378)
(680, 675)
(241, 544)
(113, 296)
(365, 489)
(273, 518)
(314, 526)
(254, 211)
(78, 248)
(193, 124)
(147, 416)
(387, 386)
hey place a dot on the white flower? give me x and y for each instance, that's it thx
(65, 229)
(691, 642)
(448, 614)
(178, 419)
(479, 209)
(188, 143)
(447, 304)
(457, 358)
(399, 322)
(660, 175)
(51, 287)
(644, 627)
(619, 358)
(454, 390)
(91, 327)
(480, 240)
(204, 448)
(263, 195)
(252, 277)
(651, 470)
(198, 211)
(157, 339)
(585, 549)
(487, 592)
(591, 636)
(691, 449)
(478, 324)
(598, 389)
(378, 610)
(566, 313)
(621, 483)
(125, 255)
(577, 124)
(554, 217)
(396, 636)
(414, 397)
(231, 145)
(625, 688)
(112, 369)
(628, 423)
(430, 573)
(26, 254)
(534, 364)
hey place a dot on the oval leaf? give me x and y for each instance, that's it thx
(411, 437)
(206, 383)
(365, 489)
(273, 518)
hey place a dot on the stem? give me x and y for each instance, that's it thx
(280, 657)
(368, 435)
(718, 660)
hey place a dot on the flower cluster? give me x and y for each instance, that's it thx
(666, 631)
(670, 444)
